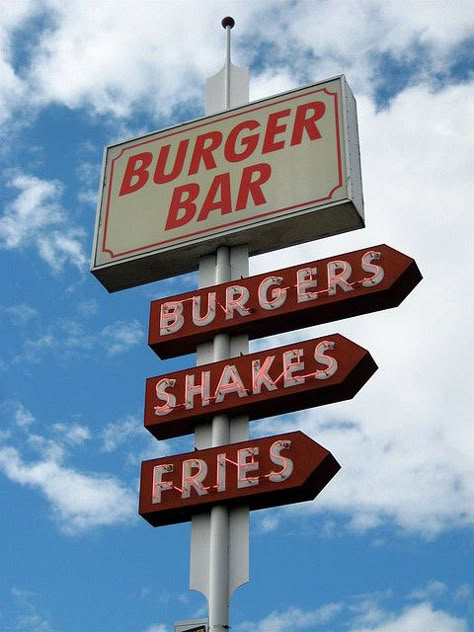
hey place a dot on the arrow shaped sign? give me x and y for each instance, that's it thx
(271, 382)
(309, 294)
(260, 473)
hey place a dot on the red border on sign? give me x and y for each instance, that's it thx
(236, 222)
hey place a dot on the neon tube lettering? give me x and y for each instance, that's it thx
(171, 317)
(306, 278)
(191, 389)
(278, 294)
(338, 276)
(221, 472)
(230, 382)
(283, 461)
(162, 395)
(202, 321)
(193, 481)
(292, 362)
(328, 361)
(368, 266)
(236, 296)
(244, 467)
(260, 375)
(159, 485)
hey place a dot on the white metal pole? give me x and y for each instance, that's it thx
(219, 528)
(220, 539)
(228, 24)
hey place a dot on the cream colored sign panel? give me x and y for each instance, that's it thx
(227, 179)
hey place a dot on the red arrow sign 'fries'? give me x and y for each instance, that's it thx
(279, 470)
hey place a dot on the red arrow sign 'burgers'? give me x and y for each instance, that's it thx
(309, 294)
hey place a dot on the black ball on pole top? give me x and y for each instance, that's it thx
(228, 21)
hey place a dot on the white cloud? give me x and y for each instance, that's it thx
(463, 593)
(33, 218)
(433, 589)
(360, 613)
(21, 314)
(129, 434)
(35, 348)
(23, 417)
(117, 433)
(404, 442)
(419, 618)
(79, 501)
(88, 307)
(119, 61)
(69, 338)
(121, 336)
(88, 174)
(12, 87)
(269, 522)
(157, 628)
(73, 434)
(59, 247)
(35, 208)
(27, 617)
(293, 619)
(309, 38)
(431, 21)
(120, 44)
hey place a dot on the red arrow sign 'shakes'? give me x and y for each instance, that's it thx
(271, 382)
(279, 470)
(309, 294)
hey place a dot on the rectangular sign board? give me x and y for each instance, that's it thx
(276, 172)
(309, 294)
(260, 473)
(193, 625)
(271, 382)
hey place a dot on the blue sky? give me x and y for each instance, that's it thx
(389, 545)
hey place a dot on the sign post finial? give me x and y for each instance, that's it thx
(228, 21)
(230, 86)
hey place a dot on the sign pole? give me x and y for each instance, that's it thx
(219, 527)
(220, 540)
(219, 523)
(228, 23)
